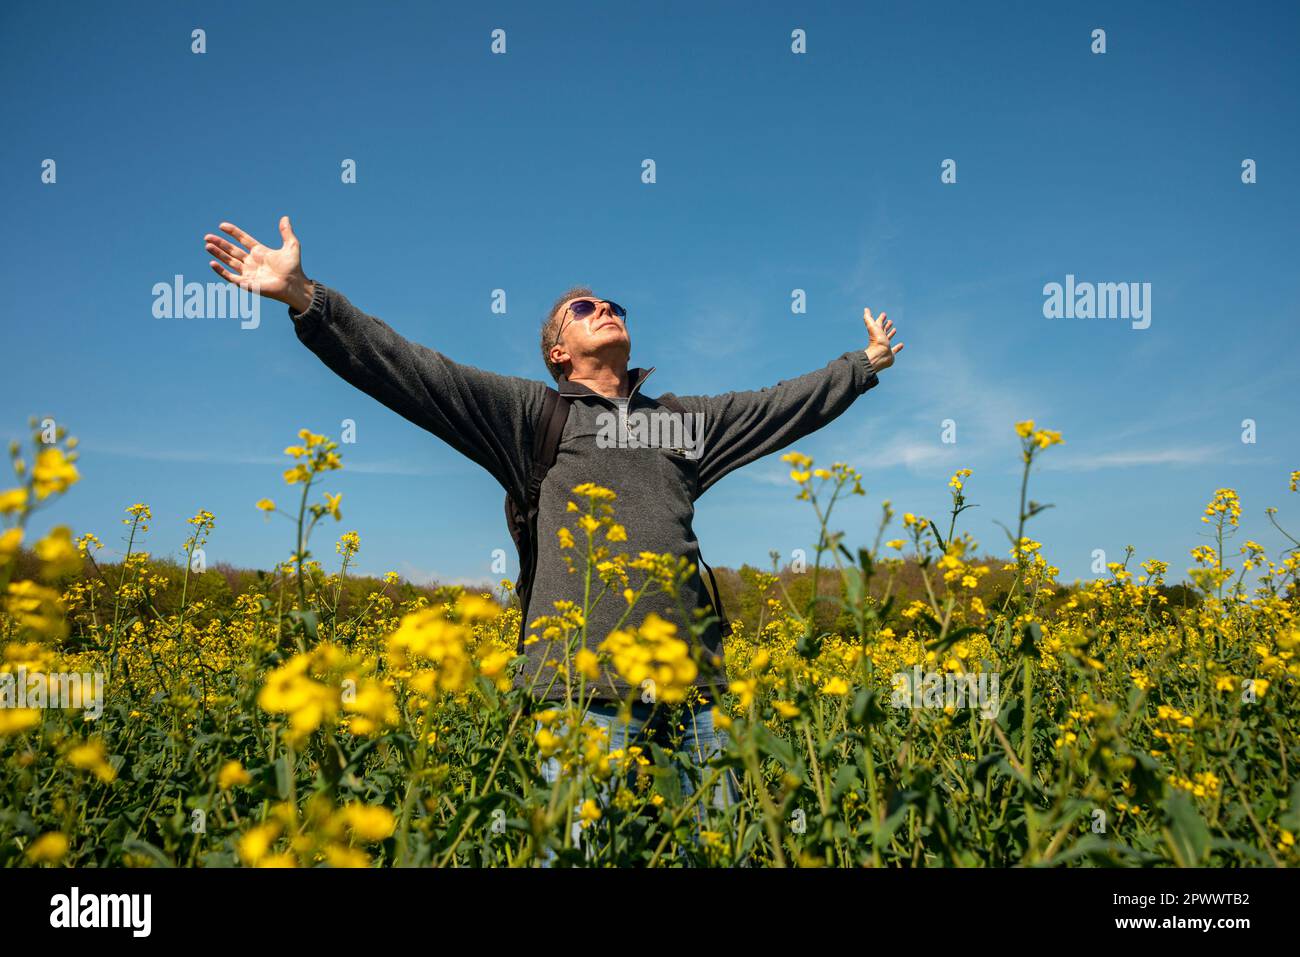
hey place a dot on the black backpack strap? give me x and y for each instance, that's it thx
(523, 516)
(546, 443)
(671, 402)
(724, 623)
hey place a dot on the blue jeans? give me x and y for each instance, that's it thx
(700, 741)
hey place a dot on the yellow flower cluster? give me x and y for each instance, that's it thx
(314, 456)
(313, 687)
(49, 848)
(91, 756)
(653, 653)
(1039, 438)
(577, 745)
(596, 518)
(33, 611)
(841, 475)
(1204, 784)
(431, 653)
(325, 835)
(1224, 507)
(53, 472)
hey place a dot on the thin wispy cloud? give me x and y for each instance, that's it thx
(1130, 458)
(209, 457)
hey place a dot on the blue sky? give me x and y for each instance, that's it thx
(775, 171)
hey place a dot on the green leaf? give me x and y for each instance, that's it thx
(1030, 639)
(852, 586)
(134, 845)
(1187, 835)
(866, 708)
(846, 780)
(808, 646)
(308, 620)
(1145, 777)
(488, 688)
(282, 777)
(773, 745)
(1291, 819)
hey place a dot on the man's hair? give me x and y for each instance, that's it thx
(551, 328)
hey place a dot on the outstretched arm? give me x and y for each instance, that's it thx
(740, 427)
(485, 416)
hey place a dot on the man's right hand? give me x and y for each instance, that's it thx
(274, 273)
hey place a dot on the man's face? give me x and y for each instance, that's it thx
(600, 333)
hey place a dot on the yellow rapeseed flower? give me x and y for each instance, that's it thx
(786, 709)
(18, 720)
(653, 653)
(232, 774)
(53, 472)
(588, 664)
(92, 756)
(13, 500)
(836, 686)
(369, 822)
(255, 843)
(49, 848)
(590, 812)
(58, 553)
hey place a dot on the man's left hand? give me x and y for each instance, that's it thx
(880, 331)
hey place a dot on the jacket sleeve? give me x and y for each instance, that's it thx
(485, 416)
(740, 427)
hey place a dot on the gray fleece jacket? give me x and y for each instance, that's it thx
(491, 419)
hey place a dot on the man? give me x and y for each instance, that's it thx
(492, 419)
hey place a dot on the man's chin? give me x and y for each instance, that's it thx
(614, 349)
(606, 338)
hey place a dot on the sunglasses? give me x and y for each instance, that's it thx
(585, 308)
(581, 308)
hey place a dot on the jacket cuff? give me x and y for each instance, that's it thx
(864, 374)
(305, 323)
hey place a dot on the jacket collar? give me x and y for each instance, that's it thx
(636, 377)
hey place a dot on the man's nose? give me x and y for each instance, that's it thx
(603, 312)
